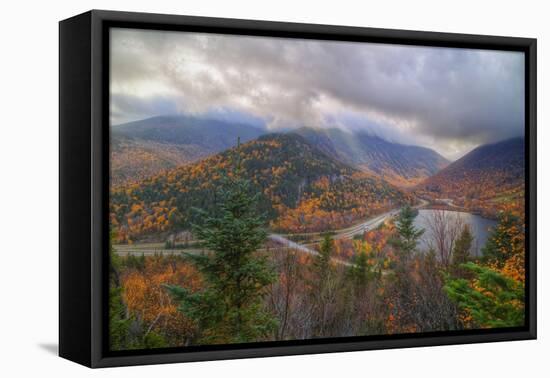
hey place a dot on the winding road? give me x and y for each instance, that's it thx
(303, 248)
(149, 249)
(346, 233)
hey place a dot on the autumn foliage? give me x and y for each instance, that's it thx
(233, 284)
(301, 190)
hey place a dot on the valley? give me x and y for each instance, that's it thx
(329, 201)
(281, 189)
(300, 190)
(485, 181)
(309, 181)
(399, 164)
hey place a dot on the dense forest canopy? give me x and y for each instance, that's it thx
(295, 181)
(265, 189)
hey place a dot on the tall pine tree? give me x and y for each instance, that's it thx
(229, 309)
(461, 253)
(322, 285)
(408, 234)
(506, 240)
(321, 263)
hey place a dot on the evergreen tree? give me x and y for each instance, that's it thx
(321, 264)
(408, 234)
(403, 288)
(360, 269)
(491, 299)
(322, 293)
(505, 241)
(229, 307)
(461, 253)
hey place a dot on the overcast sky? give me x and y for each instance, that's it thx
(451, 100)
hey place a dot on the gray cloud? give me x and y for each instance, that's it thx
(447, 99)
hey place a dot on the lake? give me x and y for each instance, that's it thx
(479, 226)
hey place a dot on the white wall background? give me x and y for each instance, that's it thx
(29, 186)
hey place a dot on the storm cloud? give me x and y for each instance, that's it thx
(448, 99)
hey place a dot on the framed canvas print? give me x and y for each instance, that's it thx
(233, 188)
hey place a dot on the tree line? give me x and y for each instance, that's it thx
(235, 293)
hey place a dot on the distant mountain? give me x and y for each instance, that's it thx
(135, 159)
(210, 134)
(399, 164)
(146, 147)
(492, 172)
(301, 189)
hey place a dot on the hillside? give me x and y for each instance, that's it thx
(401, 165)
(135, 159)
(301, 190)
(143, 148)
(490, 176)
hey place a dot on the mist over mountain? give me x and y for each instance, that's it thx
(146, 147)
(300, 188)
(453, 98)
(399, 164)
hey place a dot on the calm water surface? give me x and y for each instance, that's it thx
(480, 227)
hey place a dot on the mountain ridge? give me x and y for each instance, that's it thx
(301, 189)
(143, 148)
(489, 176)
(208, 133)
(400, 164)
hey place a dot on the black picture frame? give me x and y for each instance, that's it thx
(84, 184)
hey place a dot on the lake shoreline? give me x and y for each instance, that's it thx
(480, 226)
